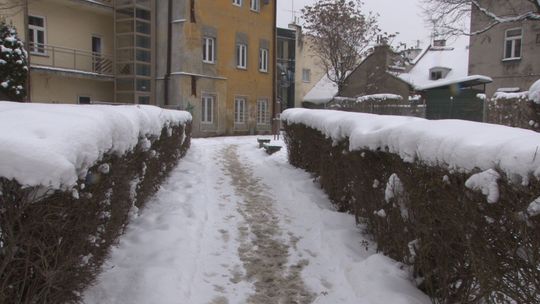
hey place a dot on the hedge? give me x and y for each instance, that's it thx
(460, 248)
(53, 242)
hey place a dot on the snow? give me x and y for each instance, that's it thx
(505, 95)
(454, 57)
(453, 144)
(378, 97)
(481, 96)
(534, 208)
(187, 245)
(323, 92)
(394, 188)
(54, 145)
(534, 91)
(486, 182)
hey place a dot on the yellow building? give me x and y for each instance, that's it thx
(219, 64)
(214, 58)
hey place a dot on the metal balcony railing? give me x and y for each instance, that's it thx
(71, 60)
(102, 2)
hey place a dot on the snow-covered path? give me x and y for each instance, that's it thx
(234, 225)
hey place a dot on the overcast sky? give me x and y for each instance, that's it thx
(403, 16)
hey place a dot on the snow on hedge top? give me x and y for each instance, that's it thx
(534, 91)
(54, 145)
(455, 144)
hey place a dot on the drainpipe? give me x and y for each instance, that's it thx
(169, 54)
(27, 44)
(274, 72)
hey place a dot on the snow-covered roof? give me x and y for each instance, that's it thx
(453, 57)
(323, 92)
(54, 144)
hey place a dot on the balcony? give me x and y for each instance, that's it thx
(74, 62)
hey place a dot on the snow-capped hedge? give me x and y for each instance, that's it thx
(70, 178)
(456, 200)
(453, 144)
(54, 145)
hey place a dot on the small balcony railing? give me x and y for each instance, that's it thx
(71, 60)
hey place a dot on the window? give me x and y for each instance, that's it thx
(208, 103)
(263, 60)
(144, 100)
(239, 110)
(237, 2)
(255, 5)
(241, 56)
(36, 34)
(512, 44)
(262, 112)
(436, 75)
(83, 100)
(209, 50)
(306, 75)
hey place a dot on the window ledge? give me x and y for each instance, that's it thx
(241, 68)
(511, 59)
(209, 62)
(264, 71)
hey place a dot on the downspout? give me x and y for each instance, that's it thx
(27, 44)
(169, 54)
(274, 72)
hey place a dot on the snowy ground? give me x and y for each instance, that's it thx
(234, 225)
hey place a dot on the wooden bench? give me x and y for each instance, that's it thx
(262, 142)
(271, 149)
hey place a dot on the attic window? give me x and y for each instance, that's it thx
(438, 73)
(439, 42)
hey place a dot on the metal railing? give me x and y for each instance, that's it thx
(104, 2)
(71, 59)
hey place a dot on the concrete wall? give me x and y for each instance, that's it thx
(226, 22)
(487, 50)
(371, 77)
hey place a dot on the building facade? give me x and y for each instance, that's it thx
(286, 70)
(215, 59)
(219, 64)
(71, 48)
(309, 70)
(509, 53)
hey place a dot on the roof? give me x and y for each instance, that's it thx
(323, 92)
(454, 58)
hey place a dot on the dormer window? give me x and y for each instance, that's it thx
(438, 73)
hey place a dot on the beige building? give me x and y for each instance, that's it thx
(309, 70)
(71, 47)
(509, 53)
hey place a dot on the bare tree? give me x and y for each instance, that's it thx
(342, 34)
(451, 17)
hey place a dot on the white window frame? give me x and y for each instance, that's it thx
(209, 49)
(240, 110)
(513, 40)
(35, 29)
(207, 117)
(237, 2)
(263, 60)
(255, 5)
(262, 112)
(306, 72)
(241, 56)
